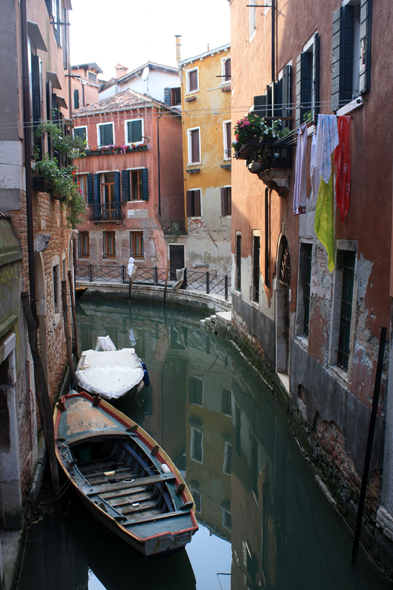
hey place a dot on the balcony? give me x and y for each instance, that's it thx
(271, 161)
(106, 212)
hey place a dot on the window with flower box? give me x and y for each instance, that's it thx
(105, 134)
(192, 80)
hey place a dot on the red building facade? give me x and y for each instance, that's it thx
(317, 329)
(131, 179)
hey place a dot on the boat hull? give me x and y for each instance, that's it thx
(122, 476)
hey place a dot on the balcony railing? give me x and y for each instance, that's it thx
(106, 212)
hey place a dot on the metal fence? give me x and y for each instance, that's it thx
(207, 282)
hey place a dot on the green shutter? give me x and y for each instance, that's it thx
(76, 99)
(97, 189)
(126, 187)
(277, 98)
(90, 190)
(117, 187)
(260, 105)
(298, 90)
(134, 131)
(286, 110)
(145, 186)
(306, 83)
(106, 134)
(346, 54)
(336, 59)
(365, 46)
(315, 75)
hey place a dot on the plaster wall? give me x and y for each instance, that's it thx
(153, 85)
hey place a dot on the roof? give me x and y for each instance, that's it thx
(137, 72)
(88, 66)
(119, 102)
(205, 54)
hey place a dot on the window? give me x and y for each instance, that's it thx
(196, 445)
(238, 283)
(227, 464)
(109, 246)
(252, 20)
(56, 288)
(83, 244)
(195, 391)
(226, 201)
(92, 76)
(135, 185)
(194, 203)
(226, 519)
(81, 132)
(284, 94)
(226, 407)
(227, 134)
(76, 99)
(351, 51)
(306, 259)
(225, 70)
(307, 81)
(192, 81)
(36, 98)
(136, 245)
(346, 261)
(194, 150)
(105, 134)
(256, 249)
(82, 184)
(134, 131)
(175, 96)
(107, 188)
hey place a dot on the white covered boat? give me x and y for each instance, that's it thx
(110, 373)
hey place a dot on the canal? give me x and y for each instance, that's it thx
(264, 521)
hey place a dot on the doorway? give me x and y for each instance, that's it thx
(176, 260)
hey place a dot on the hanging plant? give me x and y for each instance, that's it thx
(254, 138)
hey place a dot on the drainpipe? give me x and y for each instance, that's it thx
(158, 162)
(27, 152)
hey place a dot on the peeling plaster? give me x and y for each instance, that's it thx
(321, 279)
(363, 271)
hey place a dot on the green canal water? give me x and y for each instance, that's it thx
(264, 522)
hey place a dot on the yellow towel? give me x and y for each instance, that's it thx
(324, 219)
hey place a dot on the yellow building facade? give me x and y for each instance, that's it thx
(207, 138)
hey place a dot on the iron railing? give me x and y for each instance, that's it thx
(107, 212)
(207, 282)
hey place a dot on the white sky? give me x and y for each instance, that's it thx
(133, 32)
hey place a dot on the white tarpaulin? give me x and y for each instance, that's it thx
(110, 374)
(131, 268)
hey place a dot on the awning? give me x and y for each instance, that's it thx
(52, 77)
(35, 36)
(61, 102)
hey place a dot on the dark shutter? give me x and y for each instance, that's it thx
(35, 83)
(315, 74)
(346, 54)
(305, 83)
(260, 105)
(134, 131)
(90, 190)
(269, 111)
(197, 203)
(190, 203)
(195, 145)
(106, 134)
(104, 244)
(76, 99)
(336, 59)
(97, 189)
(228, 131)
(365, 46)
(227, 70)
(145, 185)
(298, 89)
(193, 80)
(229, 200)
(49, 6)
(125, 185)
(117, 187)
(167, 97)
(287, 94)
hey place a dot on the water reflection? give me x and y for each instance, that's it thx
(264, 521)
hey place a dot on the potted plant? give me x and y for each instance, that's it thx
(254, 139)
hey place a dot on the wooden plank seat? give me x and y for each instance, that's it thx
(151, 518)
(143, 497)
(120, 474)
(100, 467)
(153, 479)
(143, 506)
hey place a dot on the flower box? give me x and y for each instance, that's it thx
(117, 149)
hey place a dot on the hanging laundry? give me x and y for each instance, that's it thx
(315, 173)
(324, 219)
(327, 141)
(300, 188)
(342, 157)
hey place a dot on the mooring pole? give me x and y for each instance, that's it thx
(369, 447)
(72, 297)
(67, 331)
(166, 283)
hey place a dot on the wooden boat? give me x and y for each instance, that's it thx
(122, 475)
(109, 372)
(79, 291)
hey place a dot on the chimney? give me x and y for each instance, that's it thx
(208, 47)
(178, 37)
(120, 71)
